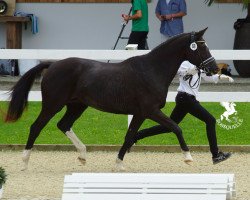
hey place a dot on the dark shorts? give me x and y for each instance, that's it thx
(138, 37)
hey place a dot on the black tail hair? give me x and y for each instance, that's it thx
(20, 91)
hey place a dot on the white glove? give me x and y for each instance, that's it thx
(192, 70)
(226, 78)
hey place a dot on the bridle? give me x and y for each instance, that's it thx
(204, 63)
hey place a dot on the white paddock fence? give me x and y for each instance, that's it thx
(118, 55)
(42, 54)
(148, 186)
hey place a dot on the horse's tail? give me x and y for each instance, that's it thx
(20, 91)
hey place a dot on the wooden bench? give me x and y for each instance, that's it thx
(148, 186)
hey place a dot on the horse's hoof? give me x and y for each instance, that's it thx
(119, 165)
(188, 162)
(82, 160)
(25, 167)
(187, 157)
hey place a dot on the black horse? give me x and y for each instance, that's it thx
(137, 86)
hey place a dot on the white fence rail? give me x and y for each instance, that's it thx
(202, 97)
(51, 54)
(116, 55)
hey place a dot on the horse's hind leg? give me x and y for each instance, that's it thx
(45, 115)
(129, 140)
(162, 119)
(74, 111)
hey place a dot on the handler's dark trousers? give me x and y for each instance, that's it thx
(186, 103)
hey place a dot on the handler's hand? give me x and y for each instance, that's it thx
(225, 77)
(125, 17)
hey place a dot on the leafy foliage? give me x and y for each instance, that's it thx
(210, 2)
(3, 176)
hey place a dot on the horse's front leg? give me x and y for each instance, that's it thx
(129, 140)
(162, 119)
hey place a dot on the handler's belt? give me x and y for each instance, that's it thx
(185, 93)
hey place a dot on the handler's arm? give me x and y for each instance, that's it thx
(216, 78)
(186, 68)
(212, 79)
(137, 15)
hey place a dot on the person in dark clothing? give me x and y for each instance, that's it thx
(186, 102)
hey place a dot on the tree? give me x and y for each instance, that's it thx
(242, 39)
(246, 4)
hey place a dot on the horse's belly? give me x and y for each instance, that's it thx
(117, 106)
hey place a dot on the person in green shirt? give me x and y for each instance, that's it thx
(140, 26)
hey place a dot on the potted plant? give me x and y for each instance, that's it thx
(242, 39)
(3, 177)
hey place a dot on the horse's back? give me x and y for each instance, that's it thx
(62, 77)
(110, 87)
(92, 82)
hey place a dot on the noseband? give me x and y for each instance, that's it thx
(204, 63)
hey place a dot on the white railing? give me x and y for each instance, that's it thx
(116, 55)
(203, 96)
(51, 54)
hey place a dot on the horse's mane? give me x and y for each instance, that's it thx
(169, 41)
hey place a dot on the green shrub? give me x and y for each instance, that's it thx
(3, 176)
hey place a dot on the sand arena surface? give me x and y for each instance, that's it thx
(44, 178)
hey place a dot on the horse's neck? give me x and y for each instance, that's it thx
(166, 61)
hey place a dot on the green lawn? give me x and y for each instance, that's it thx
(96, 127)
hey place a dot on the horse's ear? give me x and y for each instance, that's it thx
(201, 33)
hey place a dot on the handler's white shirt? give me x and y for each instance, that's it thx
(184, 85)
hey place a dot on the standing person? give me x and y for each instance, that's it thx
(140, 26)
(190, 77)
(170, 13)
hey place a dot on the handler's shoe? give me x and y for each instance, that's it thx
(221, 157)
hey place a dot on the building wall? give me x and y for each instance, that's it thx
(97, 25)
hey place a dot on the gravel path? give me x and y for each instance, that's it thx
(44, 178)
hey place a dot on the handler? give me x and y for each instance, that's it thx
(190, 78)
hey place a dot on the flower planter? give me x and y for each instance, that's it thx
(241, 42)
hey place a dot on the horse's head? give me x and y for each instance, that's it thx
(199, 54)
